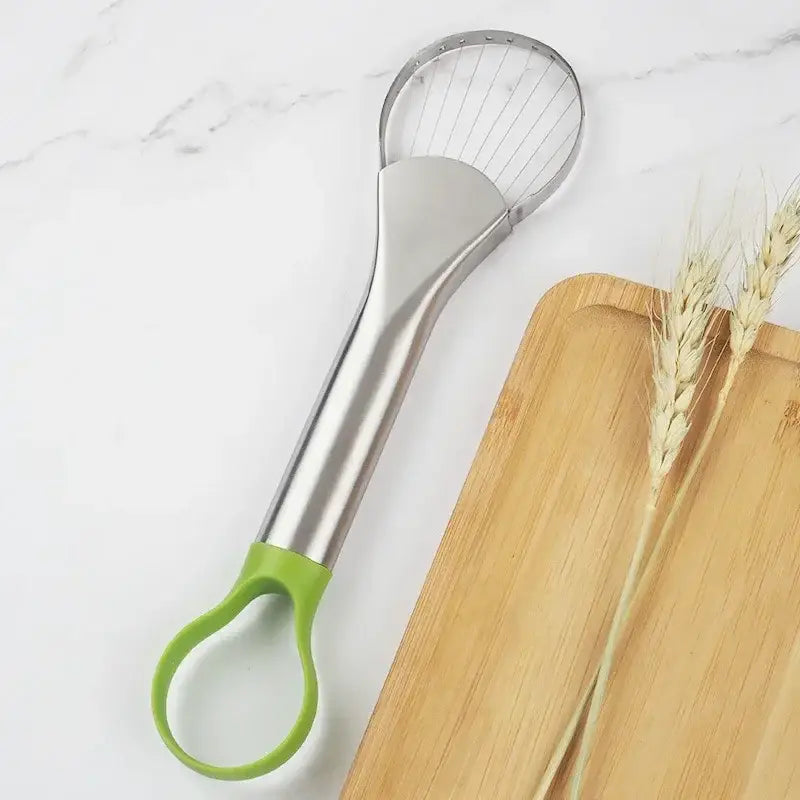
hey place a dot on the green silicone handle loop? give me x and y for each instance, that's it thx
(267, 570)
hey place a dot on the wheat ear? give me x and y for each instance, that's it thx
(779, 246)
(678, 354)
(756, 294)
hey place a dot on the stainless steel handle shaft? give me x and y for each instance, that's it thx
(438, 218)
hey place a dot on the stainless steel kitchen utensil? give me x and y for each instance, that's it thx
(477, 130)
(438, 218)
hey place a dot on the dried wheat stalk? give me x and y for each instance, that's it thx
(678, 355)
(761, 275)
(760, 278)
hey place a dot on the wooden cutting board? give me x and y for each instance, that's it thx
(704, 701)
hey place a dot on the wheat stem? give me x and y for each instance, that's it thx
(779, 244)
(640, 590)
(607, 660)
(647, 574)
(750, 310)
(678, 353)
(559, 754)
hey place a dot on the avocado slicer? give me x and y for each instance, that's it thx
(477, 130)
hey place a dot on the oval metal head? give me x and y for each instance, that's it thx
(504, 103)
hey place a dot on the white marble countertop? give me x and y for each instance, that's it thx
(186, 225)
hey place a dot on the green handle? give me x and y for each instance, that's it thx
(267, 570)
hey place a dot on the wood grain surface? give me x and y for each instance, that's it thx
(704, 701)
